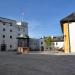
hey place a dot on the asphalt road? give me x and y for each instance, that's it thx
(36, 64)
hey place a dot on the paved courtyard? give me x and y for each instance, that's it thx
(36, 64)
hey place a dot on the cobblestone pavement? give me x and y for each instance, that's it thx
(36, 64)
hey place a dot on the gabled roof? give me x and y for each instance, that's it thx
(70, 18)
(58, 39)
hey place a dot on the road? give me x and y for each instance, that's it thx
(36, 64)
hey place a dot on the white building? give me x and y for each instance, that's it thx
(68, 29)
(9, 31)
(34, 44)
(42, 44)
(57, 43)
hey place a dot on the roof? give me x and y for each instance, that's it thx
(58, 39)
(23, 37)
(6, 19)
(69, 18)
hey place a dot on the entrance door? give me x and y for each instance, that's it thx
(3, 47)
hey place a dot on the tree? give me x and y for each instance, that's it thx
(48, 40)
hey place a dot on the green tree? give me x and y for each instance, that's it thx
(48, 40)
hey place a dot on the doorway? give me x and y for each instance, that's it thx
(42, 48)
(3, 47)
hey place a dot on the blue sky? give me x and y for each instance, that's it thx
(43, 16)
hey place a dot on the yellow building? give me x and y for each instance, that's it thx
(68, 29)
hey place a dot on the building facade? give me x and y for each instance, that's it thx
(34, 44)
(9, 31)
(43, 45)
(58, 42)
(68, 29)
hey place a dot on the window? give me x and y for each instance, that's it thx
(3, 23)
(10, 46)
(3, 36)
(10, 30)
(53, 43)
(56, 43)
(23, 30)
(18, 29)
(50, 48)
(36, 43)
(18, 34)
(41, 42)
(10, 36)
(3, 29)
(46, 48)
(10, 24)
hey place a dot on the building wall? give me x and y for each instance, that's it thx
(45, 47)
(7, 40)
(14, 33)
(42, 45)
(72, 36)
(58, 44)
(22, 28)
(66, 37)
(34, 44)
